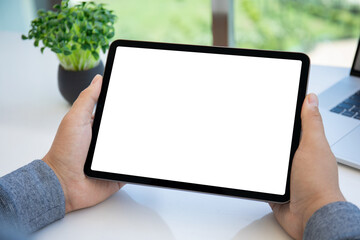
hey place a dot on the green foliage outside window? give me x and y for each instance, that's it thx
(264, 24)
(294, 24)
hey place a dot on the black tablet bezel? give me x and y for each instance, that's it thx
(190, 186)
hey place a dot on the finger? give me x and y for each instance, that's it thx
(272, 205)
(275, 207)
(311, 121)
(85, 103)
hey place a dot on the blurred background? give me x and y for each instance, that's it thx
(327, 30)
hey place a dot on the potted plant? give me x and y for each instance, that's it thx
(76, 34)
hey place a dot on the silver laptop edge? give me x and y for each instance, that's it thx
(343, 132)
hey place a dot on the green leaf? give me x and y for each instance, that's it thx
(104, 48)
(67, 52)
(23, 37)
(41, 12)
(69, 24)
(36, 43)
(110, 35)
(95, 55)
(88, 39)
(98, 24)
(64, 4)
(42, 49)
(73, 47)
(61, 16)
(56, 6)
(56, 50)
(86, 46)
(82, 27)
(53, 23)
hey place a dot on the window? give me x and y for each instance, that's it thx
(327, 30)
(176, 21)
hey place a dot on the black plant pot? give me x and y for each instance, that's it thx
(71, 83)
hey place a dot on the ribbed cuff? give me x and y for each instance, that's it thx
(32, 197)
(338, 220)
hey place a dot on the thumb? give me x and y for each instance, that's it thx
(84, 105)
(311, 121)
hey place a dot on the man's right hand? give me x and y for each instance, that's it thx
(314, 176)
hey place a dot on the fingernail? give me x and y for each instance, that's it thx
(313, 100)
(96, 78)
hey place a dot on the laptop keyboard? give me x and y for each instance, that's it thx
(350, 107)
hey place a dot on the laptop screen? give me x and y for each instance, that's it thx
(355, 70)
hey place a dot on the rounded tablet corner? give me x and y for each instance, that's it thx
(279, 202)
(306, 58)
(87, 171)
(285, 198)
(284, 201)
(114, 44)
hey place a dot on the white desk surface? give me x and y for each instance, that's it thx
(31, 109)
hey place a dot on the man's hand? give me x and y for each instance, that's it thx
(314, 175)
(68, 153)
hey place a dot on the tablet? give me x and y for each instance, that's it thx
(209, 119)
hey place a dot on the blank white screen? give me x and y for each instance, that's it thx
(201, 118)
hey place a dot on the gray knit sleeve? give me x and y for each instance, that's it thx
(339, 220)
(31, 197)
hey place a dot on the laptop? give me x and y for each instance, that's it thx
(340, 110)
